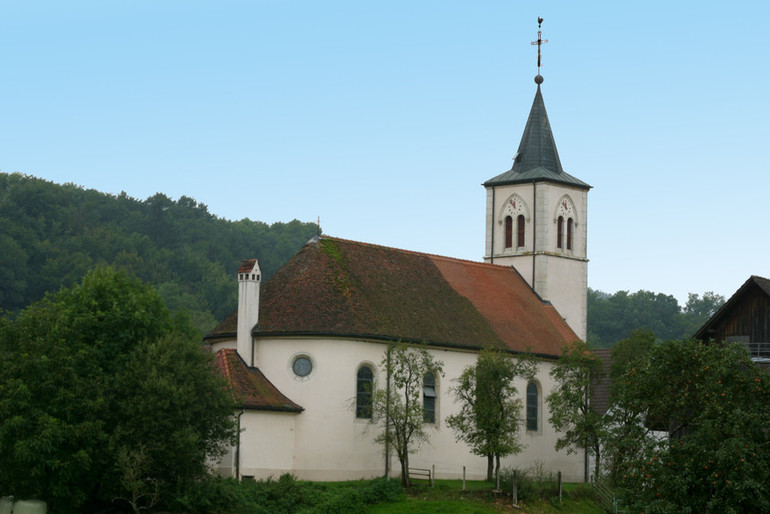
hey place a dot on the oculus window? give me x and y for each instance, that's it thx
(302, 366)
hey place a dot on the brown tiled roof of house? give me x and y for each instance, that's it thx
(600, 395)
(252, 389)
(336, 287)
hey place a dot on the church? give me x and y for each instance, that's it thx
(300, 347)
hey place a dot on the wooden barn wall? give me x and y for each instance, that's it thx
(751, 316)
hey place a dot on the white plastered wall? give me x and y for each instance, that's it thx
(267, 444)
(327, 442)
(560, 275)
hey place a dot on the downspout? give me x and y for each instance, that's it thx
(586, 471)
(238, 447)
(387, 419)
(492, 247)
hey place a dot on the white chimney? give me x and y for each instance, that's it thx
(249, 277)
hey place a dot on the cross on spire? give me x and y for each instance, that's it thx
(540, 42)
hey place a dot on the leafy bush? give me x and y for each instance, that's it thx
(218, 495)
(535, 482)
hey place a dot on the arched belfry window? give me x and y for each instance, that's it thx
(512, 220)
(532, 406)
(364, 388)
(429, 397)
(565, 214)
(520, 231)
(508, 232)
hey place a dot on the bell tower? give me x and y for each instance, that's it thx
(536, 218)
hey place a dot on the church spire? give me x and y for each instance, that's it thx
(537, 148)
(537, 158)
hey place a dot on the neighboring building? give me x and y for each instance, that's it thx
(744, 318)
(302, 351)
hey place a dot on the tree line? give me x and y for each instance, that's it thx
(614, 317)
(51, 235)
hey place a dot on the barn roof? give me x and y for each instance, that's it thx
(754, 282)
(341, 288)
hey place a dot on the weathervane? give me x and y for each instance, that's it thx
(540, 42)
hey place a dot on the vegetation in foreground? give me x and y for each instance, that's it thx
(288, 495)
(106, 400)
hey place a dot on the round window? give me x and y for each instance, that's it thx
(302, 366)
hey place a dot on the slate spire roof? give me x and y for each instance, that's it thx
(346, 289)
(537, 159)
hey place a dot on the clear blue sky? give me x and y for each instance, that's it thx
(384, 118)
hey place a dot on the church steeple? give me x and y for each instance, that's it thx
(537, 148)
(537, 217)
(537, 158)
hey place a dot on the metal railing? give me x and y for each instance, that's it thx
(759, 349)
(607, 497)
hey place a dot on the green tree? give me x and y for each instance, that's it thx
(398, 407)
(699, 309)
(612, 317)
(99, 383)
(713, 402)
(577, 373)
(52, 235)
(490, 409)
(626, 433)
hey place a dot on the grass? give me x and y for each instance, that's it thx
(447, 496)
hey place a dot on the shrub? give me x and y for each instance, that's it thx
(535, 482)
(217, 495)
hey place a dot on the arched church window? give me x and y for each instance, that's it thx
(569, 234)
(429, 397)
(520, 231)
(508, 232)
(532, 406)
(364, 389)
(559, 232)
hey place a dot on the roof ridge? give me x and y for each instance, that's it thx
(413, 252)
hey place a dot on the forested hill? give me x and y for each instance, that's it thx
(51, 235)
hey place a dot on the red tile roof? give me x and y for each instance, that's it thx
(337, 287)
(252, 389)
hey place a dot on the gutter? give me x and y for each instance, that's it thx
(392, 339)
(387, 421)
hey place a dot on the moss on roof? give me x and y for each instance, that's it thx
(335, 287)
